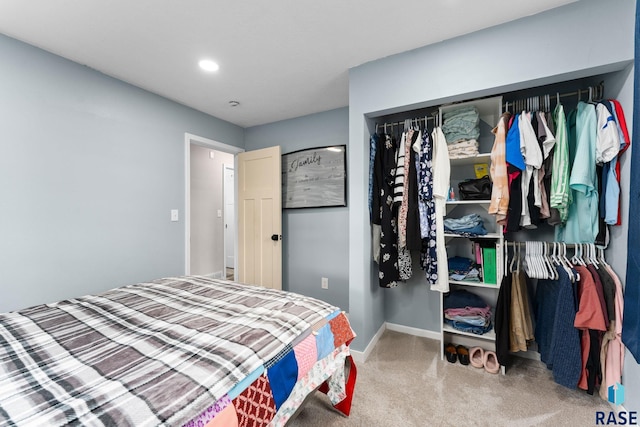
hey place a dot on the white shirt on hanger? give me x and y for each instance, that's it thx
(441, 176)
(533, 159)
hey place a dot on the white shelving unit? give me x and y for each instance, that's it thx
(489, 110)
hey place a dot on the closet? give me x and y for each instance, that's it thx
(491, 107)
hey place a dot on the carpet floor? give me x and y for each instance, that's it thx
(404, 383)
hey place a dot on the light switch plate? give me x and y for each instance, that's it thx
(174, 215)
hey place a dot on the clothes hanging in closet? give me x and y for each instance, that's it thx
(570, 178)
(557, 338)
(402, 206)
(427, 209)
(499, 205)
(441, 177)
(577, 324)
(383, 213)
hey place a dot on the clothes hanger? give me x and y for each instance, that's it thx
(513, 259)
(528, 264)
(554, 253)
(557, 98)
(505, 267)
(565, 262)
(575, 259)
(534, 257)
(548, 103)
(535, 269)
(601, 256)
(582, 259)
(537, 259)
(551, 263)
(592, 255)
(544, 258)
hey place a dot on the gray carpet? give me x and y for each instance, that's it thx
(404, 383)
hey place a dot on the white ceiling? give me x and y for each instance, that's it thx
(280, 58)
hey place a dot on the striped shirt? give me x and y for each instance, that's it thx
(398, 187)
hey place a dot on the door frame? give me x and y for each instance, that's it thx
(226, 167)
(214, 145)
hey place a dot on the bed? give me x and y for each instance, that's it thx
(186, 351)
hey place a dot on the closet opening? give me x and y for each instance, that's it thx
(412, 303)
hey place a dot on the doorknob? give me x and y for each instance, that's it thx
(276, 237)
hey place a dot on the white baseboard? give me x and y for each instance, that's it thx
(414, 331)
(215, 275)
(361, 356)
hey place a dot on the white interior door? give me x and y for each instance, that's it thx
(229, 217)
(260, 218)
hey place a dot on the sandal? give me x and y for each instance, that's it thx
(450, 353)
(463, 354)
(476, 357)
(491, 364)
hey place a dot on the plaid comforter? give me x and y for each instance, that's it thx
(147, 354)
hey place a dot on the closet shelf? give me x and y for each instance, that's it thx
(476, 284)
(468, 202)
(489, 336)
(480, 158)
(486, 236)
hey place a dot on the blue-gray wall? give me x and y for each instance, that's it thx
(90, 168)
(550, 47)
(315, 241)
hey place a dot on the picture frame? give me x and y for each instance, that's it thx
(315, 178)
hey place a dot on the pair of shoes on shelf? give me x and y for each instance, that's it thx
(488, 360)
(453, 353)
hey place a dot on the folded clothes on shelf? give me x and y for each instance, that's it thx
(461, 124)
(461, 268)
(462, 298)
(465, 327)
(470, 225)
(462, 149)
(467, 312)
(473, 275)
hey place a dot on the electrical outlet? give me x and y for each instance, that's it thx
(325, 283)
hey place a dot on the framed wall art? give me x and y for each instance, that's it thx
(315, 177)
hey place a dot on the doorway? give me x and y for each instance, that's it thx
(205, 235)
(229, 221)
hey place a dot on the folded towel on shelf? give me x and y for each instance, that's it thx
(461, 124)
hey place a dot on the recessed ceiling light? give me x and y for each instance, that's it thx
(209, 65)
(234, 103)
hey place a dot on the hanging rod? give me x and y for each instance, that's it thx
(568, 245)
(401, 123)
(596, 93)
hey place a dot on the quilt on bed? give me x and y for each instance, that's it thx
(161, 353)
